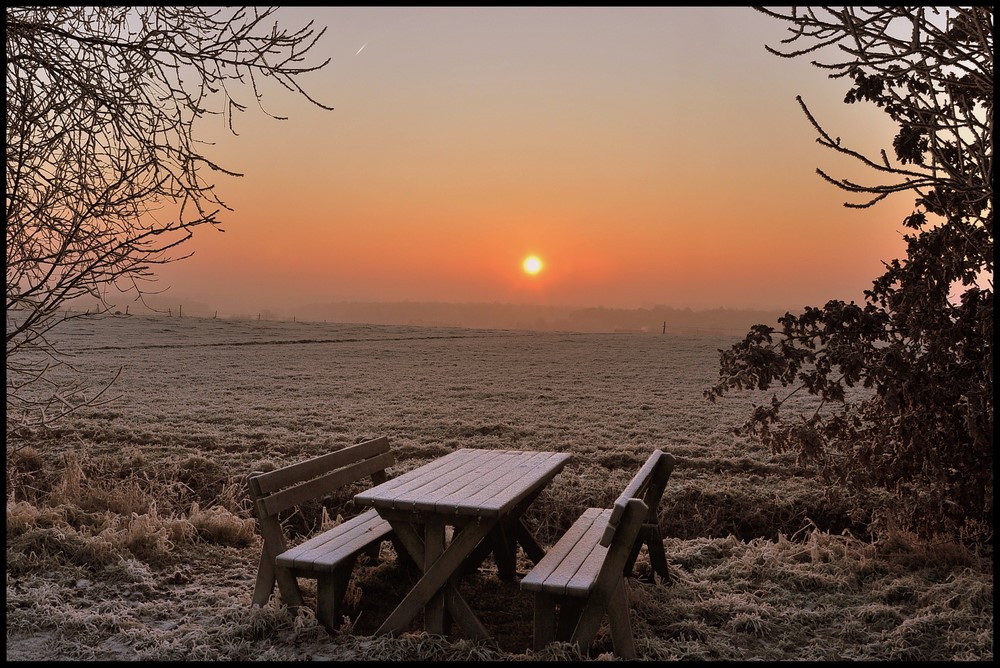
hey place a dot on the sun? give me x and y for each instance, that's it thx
(532, 265)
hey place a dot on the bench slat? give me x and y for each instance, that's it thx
(586, 574)
(294, 473)
(636, 486)
(563, 559)
(326, 551)
(323, 485)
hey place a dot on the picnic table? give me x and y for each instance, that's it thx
(482, 494)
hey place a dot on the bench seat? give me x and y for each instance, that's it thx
(329, 556)
(571, 566)
(327, 551)
(582, 578)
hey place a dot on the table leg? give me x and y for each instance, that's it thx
(504, 552)
(503, 543)
(434, 612)
(437, 572)
(531, 547)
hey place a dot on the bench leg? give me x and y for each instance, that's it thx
(657, 556)
(633, 555)
(621, 624)
(615, 605)
(330, 591)
(265, 580)
(289, 588)
(267, 575)
(544, 630)
(649, 535)
(569, 614)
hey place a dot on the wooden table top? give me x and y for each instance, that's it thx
(483, 483)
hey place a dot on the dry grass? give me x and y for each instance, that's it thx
(129, 534)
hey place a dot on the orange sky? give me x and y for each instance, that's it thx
(648, 155)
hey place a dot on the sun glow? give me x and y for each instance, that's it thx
(532, 265)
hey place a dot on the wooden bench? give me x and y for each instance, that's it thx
(583, 574)
(327, 557)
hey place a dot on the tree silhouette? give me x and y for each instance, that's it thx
(105, 179)
(922, 343)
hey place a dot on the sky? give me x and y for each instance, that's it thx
(646, 155)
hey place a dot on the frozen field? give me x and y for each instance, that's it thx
(275, 388)
(130, 537)
(249, 392)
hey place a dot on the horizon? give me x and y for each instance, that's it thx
(656, 318)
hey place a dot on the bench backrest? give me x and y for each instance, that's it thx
(281, 489)
(648, 485)
(621, 538)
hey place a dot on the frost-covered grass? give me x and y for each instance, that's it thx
(129, 534)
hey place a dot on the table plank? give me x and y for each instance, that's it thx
(533, 470)
(484, 483)
(388, 492)
(484, 469)
(436, 484)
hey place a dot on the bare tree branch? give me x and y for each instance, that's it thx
(105, 179)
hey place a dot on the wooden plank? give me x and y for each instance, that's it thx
(274, 480)
(321, 547)
(658, 483)
(635, 486)
(434, 537)
(602, 594)
(589, 556)
(648, 484)
(386, 494)
(324, 551)
(536, 578)
(528, 542)
(412, 542)
(620, 622)
(516, 474)
(319, 487)
(641, 478)
(431, 485)
(463, 614)
(529, 475)
(544, 627)
(559, 563)
(447, 488)
(482, 470)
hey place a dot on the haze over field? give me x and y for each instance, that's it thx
(645, 155)
(537, 317)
